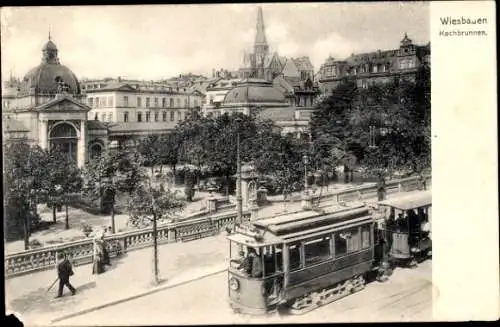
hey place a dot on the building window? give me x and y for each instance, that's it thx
(110, 102)
(96, 117)
(139, 116)
(196, 102)
(103, 102)
(148, 116)
(186, 103)
(147, 103)
(178, 102)
(110, 116)
(125, 117)
(96, 104)
(164, 116)
(157, 115)
(172, 116)
(171, 102)
(156, 102)
(179, 115)
(164, 103)
(139, 102)
(125, 101)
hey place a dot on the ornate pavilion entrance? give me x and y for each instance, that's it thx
(64, 137)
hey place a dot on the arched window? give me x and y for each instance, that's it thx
(171, 102)
(164, 116)
(179, 115)
(139, 116)
(95, 151)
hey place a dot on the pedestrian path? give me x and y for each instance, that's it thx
(128, 276)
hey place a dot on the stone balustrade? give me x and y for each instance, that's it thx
(80, 252)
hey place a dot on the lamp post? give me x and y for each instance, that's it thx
(306, 162)
(239, 201)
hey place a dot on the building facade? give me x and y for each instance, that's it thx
(47, 108)
(118, 101)
(375, 67)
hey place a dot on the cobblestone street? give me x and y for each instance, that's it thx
(407, 296)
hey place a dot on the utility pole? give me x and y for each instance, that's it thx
(239, 201)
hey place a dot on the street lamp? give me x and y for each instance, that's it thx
(305, 157)
(239, 201)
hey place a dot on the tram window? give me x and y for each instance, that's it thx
(365, 237)
(340, 245)
(294, 257)
(354, 240)
(317, 250)
(237, 251)
(279, 258)
(273, 259)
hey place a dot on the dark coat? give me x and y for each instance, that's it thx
(64, 270)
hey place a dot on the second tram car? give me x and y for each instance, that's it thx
(307, 259)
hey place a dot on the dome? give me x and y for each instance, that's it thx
(50, 45)
(254, 91)
(50, 76)
(46, 78)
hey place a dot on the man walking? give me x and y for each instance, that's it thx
(64, 271)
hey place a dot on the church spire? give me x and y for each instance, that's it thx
(260, 37)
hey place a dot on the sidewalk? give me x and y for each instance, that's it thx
(128, 276)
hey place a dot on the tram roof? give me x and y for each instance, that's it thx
(267, 239)
(410, 200)
(296, 225)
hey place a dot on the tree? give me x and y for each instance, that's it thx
(64, 179)
(24, 172)
(147, 206)
(396, 118)
(333, 143)
(106, 176)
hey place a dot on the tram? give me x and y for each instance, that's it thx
(405, 227)
(304, 260)
(300, 261)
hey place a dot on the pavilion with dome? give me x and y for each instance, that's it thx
(47, 108)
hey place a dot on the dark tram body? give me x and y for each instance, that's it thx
(303, 260)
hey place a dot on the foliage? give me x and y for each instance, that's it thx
(24, 173)
(384, 127)
(212, 142)
(113, 173)
(333, 142)
(63, 178)
(149, 203)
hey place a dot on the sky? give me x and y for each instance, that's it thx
(160, 41)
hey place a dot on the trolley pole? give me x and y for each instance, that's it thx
(239, 204)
